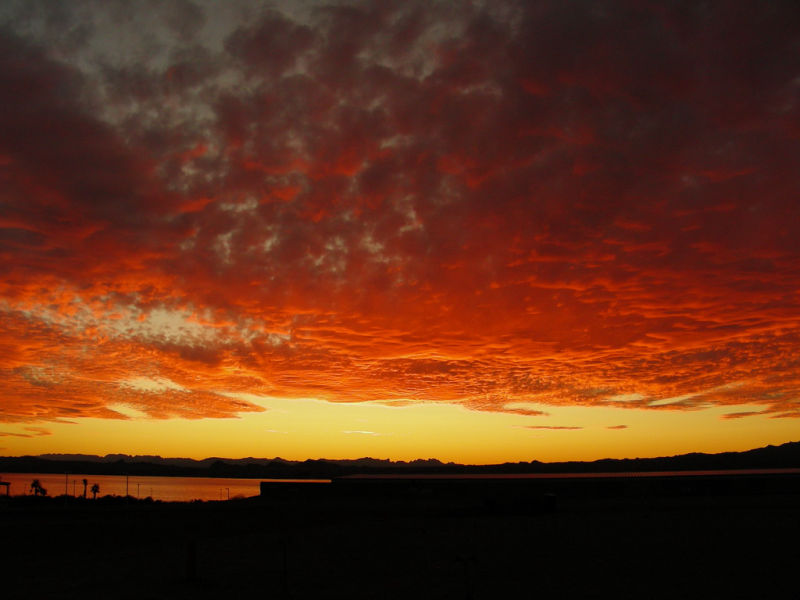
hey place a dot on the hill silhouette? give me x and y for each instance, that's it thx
(783, 456)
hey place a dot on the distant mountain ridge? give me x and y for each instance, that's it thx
(784, 456)
(207, 462)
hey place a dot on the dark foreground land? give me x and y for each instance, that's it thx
(721, 538)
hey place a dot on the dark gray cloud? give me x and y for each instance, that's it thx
(401, 200)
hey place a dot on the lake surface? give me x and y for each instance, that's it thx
(185, 489)
(599, 475)
(178, 489)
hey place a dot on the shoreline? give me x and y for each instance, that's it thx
(415, 542)
(500, 493)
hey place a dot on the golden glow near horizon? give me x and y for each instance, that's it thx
(298, 429)
(224, 231)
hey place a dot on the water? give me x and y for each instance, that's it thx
(179, 489)
(185, 489)
(599, 475)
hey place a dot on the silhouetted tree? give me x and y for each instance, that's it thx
(85, 483)
(95, 491)
(37, 489)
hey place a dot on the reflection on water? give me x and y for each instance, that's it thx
(184, 489)
(181, 489)
(599, 475)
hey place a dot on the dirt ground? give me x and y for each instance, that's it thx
(710, 547)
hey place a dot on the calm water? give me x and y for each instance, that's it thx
(159, 488)
(601, 475)
(184, 489)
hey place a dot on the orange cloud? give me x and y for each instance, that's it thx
(363, 205)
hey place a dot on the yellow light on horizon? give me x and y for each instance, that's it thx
(298, 429)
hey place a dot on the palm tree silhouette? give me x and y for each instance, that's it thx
(85, 483)
(95, 491)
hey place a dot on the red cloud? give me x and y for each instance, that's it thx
(549, 205)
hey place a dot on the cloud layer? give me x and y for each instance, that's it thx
(398, 201)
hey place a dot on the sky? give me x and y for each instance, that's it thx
(472, 231)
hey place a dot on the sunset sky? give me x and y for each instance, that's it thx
(475, 231)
